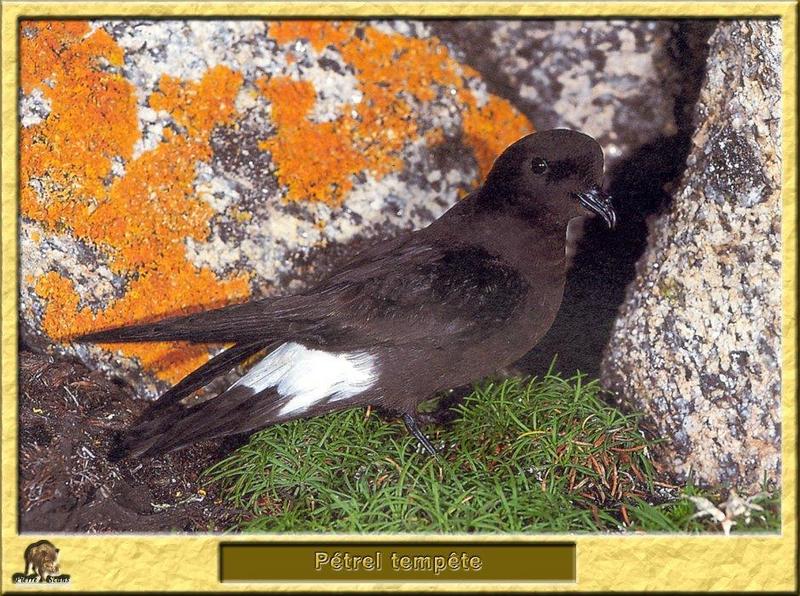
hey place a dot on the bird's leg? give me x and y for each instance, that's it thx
(411, 425)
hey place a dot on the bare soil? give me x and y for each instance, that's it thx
(68, 419)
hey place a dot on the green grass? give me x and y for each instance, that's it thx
(522, 455)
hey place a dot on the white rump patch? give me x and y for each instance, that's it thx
(307, 376)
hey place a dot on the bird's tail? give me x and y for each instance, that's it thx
(182, 426)
(156, 430)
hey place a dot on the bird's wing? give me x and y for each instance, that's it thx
(405, 291)
(220, 364)
(254, 321)
(420, 291)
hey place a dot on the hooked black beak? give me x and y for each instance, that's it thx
(599, 202)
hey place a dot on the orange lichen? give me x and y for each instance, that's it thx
(139, 220)
(317, 161)
(325, 150)
(168, 361)
(92, 118)
(57, 50)
(319, 34)
(199, 106)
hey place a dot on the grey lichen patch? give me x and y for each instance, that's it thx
(609, 79)
(697, 343)
(336, 85)
(33, 108)
(87, 268)
(187, 49)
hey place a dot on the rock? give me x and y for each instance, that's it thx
(172, 166)
(611, 79)
(697, 344)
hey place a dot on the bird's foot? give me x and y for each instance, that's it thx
(411, 425)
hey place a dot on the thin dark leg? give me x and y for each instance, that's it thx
(412, 427)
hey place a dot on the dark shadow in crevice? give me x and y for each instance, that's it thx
(605, 262)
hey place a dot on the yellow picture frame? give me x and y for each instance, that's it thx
(604, 562)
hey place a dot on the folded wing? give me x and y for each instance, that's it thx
(413, 292)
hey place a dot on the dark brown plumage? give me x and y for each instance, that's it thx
(425, 312)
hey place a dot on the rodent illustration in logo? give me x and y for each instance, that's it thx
(41, 557)
(41, 565)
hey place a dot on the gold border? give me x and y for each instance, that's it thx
(608, 563)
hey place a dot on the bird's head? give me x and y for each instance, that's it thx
(555, 173)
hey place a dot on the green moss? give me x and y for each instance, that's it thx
(522, 455)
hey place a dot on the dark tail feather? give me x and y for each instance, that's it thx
(165, 412)
(218, 365)
(227, 414)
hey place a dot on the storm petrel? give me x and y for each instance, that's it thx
(427, 311)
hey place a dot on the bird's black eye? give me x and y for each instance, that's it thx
(538, 166)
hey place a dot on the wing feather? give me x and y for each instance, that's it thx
(409, 291)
